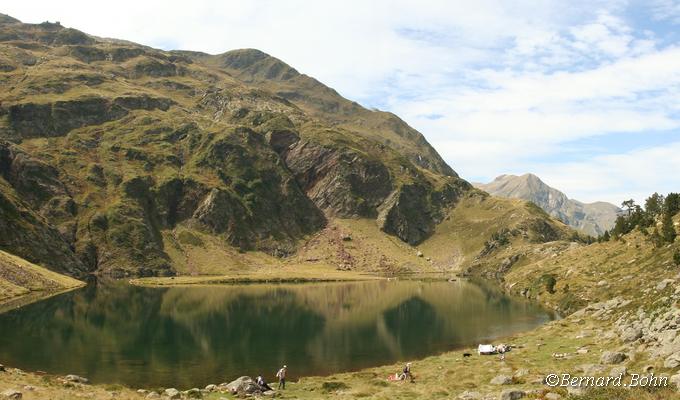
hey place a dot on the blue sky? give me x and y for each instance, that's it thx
(585, 94)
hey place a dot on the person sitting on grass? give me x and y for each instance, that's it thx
(260, 381)
(406, 373)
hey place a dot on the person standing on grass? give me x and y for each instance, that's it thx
(282, 377)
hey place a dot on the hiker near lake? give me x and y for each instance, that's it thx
(282, 377)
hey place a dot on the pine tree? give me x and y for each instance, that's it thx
(629, 205)
(654, 205)
(667, 229)
(671, 205)
(605, 236)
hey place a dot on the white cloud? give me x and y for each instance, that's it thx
(666, 10)
(617, 177)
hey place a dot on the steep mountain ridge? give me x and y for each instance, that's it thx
(591, 218)
(132, 157)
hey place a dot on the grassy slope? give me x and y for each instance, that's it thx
(19, 278)
(452, 249)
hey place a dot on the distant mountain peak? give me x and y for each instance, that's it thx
(592, 218)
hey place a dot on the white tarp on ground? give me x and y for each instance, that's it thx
(486, 349)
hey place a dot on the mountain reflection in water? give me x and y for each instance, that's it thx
(192, 336)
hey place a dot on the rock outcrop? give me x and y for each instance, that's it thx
(29, 120)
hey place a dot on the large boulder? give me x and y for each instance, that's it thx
(243, 386)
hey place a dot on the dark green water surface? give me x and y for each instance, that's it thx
(191, 336)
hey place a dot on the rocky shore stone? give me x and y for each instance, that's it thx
(172, 393)
(194, 393)
(76, 379)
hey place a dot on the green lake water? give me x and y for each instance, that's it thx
(192, 336)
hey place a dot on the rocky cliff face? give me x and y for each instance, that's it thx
(106, 146)
(593, 218)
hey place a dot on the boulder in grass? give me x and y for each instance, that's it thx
(675, 380)
(502, 380)
(11, 394)
(613, 357)
(512, 394)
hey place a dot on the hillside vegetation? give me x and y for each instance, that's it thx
(119, 159)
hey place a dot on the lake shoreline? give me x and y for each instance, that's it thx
(428, 281)
(551, 347)
(472, 375)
